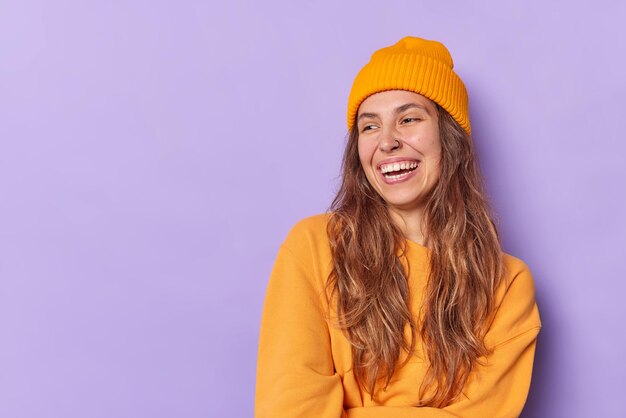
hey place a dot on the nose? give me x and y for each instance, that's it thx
(389, 142)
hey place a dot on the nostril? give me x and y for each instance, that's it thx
(390, 145)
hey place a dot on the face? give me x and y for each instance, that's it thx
(399, 147)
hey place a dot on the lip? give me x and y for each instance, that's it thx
(395, 160)
(401, 179)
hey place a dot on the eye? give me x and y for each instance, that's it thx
(408, 120)
(368, 128)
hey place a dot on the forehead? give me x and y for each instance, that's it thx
(391, 99)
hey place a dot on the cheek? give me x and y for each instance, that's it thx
(432, 139)
(366, 152)
(362, 154)
(432, 146)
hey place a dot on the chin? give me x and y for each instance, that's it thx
(404, 205)
(402, 199)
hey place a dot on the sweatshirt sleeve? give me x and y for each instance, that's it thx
(295, 371)
(498, 387)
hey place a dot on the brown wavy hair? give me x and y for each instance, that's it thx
(371, 283)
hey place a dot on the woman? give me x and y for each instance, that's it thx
(399, 302)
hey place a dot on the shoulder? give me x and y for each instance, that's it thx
(516, 308)
(517, 276)
(308, 240)
(308, 231)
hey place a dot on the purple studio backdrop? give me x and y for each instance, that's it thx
(154, 155)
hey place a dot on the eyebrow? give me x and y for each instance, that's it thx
(396, 111)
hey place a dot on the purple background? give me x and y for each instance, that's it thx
(154, 155)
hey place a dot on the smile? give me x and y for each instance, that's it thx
(398, 166)
(398, 170)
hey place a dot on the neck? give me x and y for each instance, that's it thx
(410, 223)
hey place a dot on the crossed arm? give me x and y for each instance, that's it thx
(296, 375)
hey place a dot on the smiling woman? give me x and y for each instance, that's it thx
(399, 150)
(399, 302)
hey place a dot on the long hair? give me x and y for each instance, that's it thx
(371, 283)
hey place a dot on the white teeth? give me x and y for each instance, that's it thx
(397, 176)
(388, 168)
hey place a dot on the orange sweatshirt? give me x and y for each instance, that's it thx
(304, 365)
